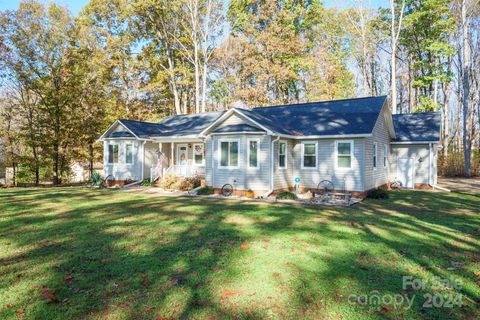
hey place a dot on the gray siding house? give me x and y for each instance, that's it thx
(355, 143)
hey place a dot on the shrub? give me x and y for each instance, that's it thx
(172, 182)
(146, 182)
(96, 179)
(286, 196)
(168, 181)
(205, 191)
(377, 194)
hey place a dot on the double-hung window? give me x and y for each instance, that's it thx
(309, 154)
(385, 155)
(129, 153)
(344, 154)
(228, 153)
(252, 153)
(282, 154)
(113, 153)
(374, 155)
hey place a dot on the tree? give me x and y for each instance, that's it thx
(395, 29)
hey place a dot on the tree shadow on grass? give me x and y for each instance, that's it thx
(147, 257)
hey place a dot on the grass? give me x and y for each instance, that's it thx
(104, 254)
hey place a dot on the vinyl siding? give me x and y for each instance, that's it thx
(417, 152)
(121, 170)
(256, 179)
(284, 177)
(375, 177)
(351, 179)
(235, 119)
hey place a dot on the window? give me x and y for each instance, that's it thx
(385, 155)
(129, 153)
(198, 154)
(113, 153)
(228, 153)
(374, 155)
(252, 153)
(282, 154)
(309, 154)
(344, 154)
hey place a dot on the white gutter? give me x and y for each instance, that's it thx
(272, 165)
(413, 142)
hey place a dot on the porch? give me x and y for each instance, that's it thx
(183, 159)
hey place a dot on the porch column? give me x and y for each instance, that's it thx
(171, 151)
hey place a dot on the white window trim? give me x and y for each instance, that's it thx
(303, 155)
(127, 163)
(351, 142)
(385, 155)
(286, 154)
(248, 153)
(375, 156)
(203, 155)
(220, 154)
(108, 155)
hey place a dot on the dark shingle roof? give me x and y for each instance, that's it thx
(338, 117)
(187, 124)
(238, 128)
(422, 126)
(141, 129)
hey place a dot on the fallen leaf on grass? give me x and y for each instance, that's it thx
(276, 274)
(172, 282)
(9, 306)
(20, 310)
(386, 309)
(124, 305)
(47, 295)
(244, 246)
(229, 293)
(68, 279)
(162, 317)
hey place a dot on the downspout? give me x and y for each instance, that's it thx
(272, 165)
(143, 159)
(430, 162)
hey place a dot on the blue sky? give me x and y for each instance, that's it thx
(76, 5)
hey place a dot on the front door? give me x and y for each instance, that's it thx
(182, 154)
(405, 172)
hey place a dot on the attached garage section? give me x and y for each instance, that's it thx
(414, 165)
(413, 153)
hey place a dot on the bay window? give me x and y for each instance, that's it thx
(252, 153)
(228, 153)
(113, 153)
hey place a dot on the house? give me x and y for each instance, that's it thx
(355, 143)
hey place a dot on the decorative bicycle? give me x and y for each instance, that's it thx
(324, 188)
(227, 189)
(396, 184)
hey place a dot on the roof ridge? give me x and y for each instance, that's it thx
(316, 102)
(139, 121)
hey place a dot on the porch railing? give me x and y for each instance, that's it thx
(178, 170)
(186, 171)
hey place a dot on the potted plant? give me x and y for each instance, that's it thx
(250, 193)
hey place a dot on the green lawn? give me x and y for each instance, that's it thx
(103, 254)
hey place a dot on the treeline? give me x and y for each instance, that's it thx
(65, 78)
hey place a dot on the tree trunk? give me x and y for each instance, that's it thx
(90, 159)
(56, 160)
(466, 91)
(446, 119)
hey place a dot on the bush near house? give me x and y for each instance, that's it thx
(173, 182)
(377, 194)
(286, 196)
(205, 191)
